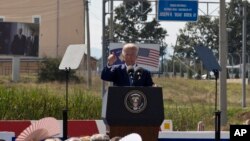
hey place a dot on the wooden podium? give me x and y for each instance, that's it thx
(128, 110)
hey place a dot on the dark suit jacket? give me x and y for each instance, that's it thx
(119, 76)
(32, 46)
(18, 46)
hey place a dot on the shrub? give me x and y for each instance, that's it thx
(49, 71)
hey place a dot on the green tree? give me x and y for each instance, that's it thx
(131, 24)
(234, 22)
(203, 32)
(206, 32)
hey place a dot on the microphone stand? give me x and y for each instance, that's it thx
(217, 112)
(65, 111)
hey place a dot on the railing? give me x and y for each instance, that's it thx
(27, 66)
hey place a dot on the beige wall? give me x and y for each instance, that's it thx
(61, 23)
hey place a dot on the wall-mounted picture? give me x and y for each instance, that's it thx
(19, 39)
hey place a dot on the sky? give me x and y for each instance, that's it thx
(95, 17)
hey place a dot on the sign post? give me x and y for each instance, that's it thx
(177, 10)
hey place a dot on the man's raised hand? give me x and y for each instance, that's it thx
(112, 59)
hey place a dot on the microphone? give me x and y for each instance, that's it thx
(138, 73)
(130, 71)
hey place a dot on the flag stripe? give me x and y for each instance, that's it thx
(148, 57)
(148, 64)
(148, 60)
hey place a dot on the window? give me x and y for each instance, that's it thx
(36, 19)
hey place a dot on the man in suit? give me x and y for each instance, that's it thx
(118, 74)
(32, 44)
(18, 45)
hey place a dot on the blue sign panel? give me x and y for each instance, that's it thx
(177, 10)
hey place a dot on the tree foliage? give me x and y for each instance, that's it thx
(206, 32)
(49, 71)
(203, 32)
(131, 24)
(234, 22)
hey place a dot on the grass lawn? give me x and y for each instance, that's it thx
(186, 101)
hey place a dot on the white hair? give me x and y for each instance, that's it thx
(130, 46)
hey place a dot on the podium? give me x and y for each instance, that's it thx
(127, 110)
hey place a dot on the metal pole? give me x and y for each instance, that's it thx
(166, 65)
(88, 45)
(65, 111)
(223, 62)
(111, 21)
(57, 26)
(180, 67)
(173, 67)
(239, 57)
(243, 74)
(104, 59)
(232, 63)
(248, 67)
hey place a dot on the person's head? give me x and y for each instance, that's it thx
(53, 139)
(32, 32)
(99, 137)
(20, 31)
(129, 53)
(85, 138)
(116, 138)
(73, 139)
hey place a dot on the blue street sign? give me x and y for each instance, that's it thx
(177, 10)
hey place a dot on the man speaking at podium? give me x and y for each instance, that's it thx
(127, 74)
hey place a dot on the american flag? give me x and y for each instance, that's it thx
(149, 57)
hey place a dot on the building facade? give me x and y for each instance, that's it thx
(61, 22)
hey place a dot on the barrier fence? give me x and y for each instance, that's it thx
(10, 129)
